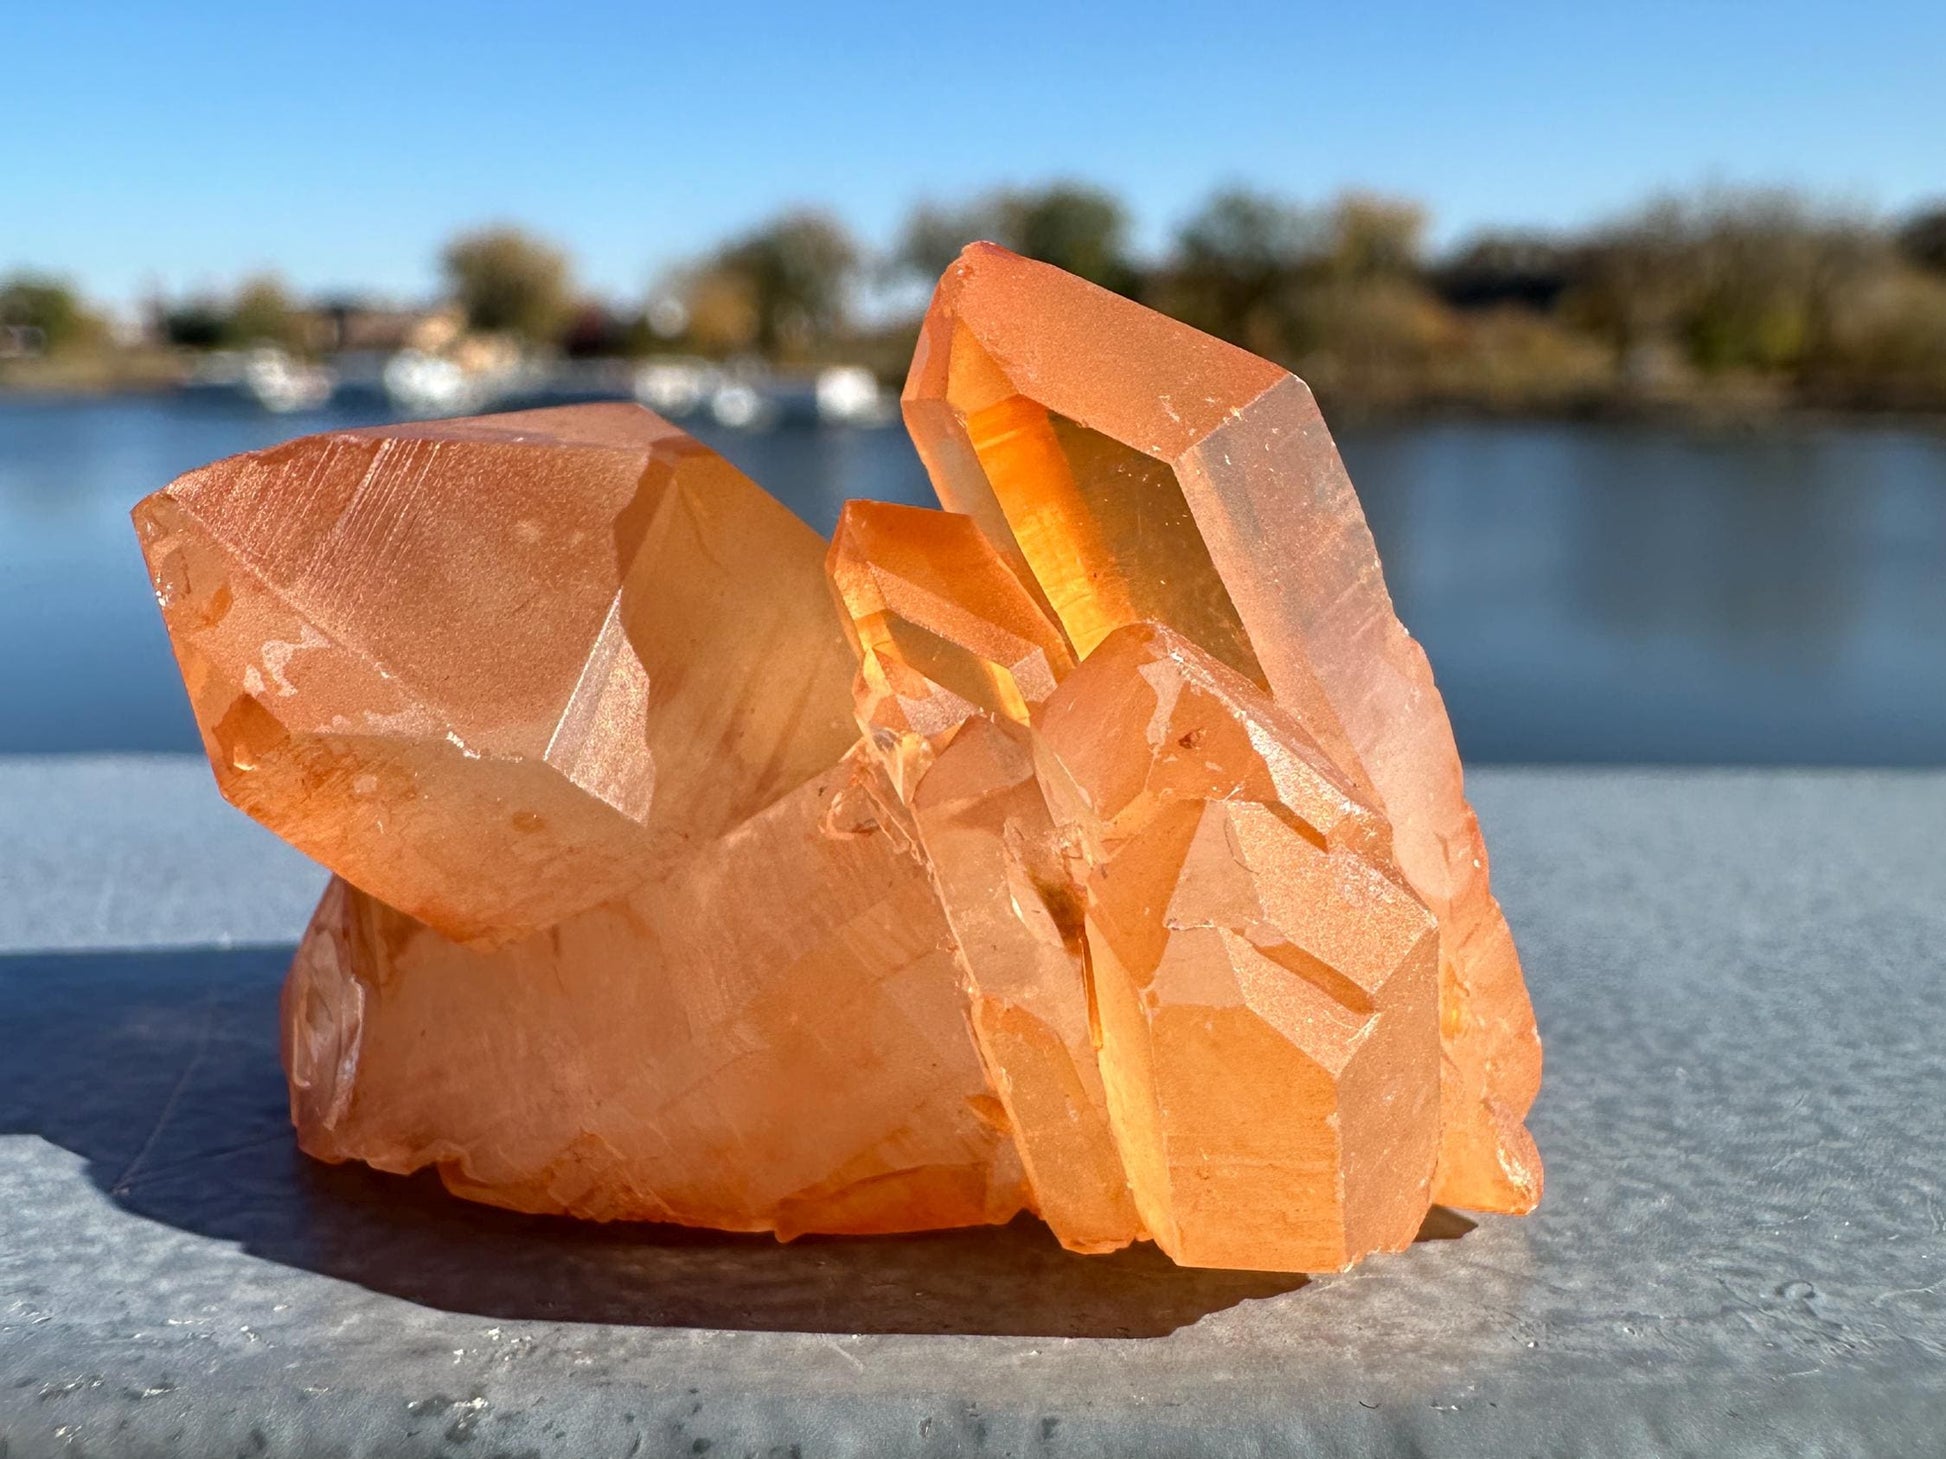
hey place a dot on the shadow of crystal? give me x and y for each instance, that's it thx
(160, 1069)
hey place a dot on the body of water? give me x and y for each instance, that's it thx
(1586, 592)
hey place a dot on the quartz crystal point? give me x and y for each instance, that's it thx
(1132, 469)
(771, 1038)
(1266, 987)
(954, 655)
(498, 671)
(943, 629)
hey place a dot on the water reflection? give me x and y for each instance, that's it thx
(1760, 565)
(1614, 592)
(1587, 592)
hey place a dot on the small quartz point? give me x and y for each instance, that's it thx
(497, 671)
(1266, 985)
(954, 655)
(771, 1038)
(1132, 470)
(943, 628)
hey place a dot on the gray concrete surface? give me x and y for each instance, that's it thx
(1742, 983)
(138, 851)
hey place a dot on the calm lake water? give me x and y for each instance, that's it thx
(1587, 592)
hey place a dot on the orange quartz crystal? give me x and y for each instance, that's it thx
(1201, 988)
(1265, 984)
(1148, 901)
(942, 628)
(954, 655)
(770, 1038)
(494, 671)
(1133, 469)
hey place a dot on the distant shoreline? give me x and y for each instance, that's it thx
(1712, 410)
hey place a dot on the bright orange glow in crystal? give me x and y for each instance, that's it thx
(1135, 470)
(495, 671)
(942, 627)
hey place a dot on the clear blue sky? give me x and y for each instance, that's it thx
(340, 141)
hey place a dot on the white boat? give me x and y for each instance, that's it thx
(676, 388)
(850, 395)
(742, 406)
(749, 397)
(265, 376)
(432, 385)
(281, 384)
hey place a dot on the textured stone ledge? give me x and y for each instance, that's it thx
(1741, 981)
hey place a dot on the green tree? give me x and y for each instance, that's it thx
(1740, 280)
(934, 234)
(1289, 282)
(1249, 234)
(1081, 229)
(49, 306)
(1073, 226)
(788, 285)
(1236, 261)
(262, 312)
(508, 281)
(1373, 237)
(1922, 238)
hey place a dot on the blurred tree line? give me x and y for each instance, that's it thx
(1739, 296)
(1744, 296)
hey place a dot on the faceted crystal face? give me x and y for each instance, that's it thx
(497, 671)
(998, 862)
(943, 628)
(1132, 469)
(1264, 983)
(931, 605)
(791, 1060)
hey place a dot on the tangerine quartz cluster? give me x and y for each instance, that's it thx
(1095, 846)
